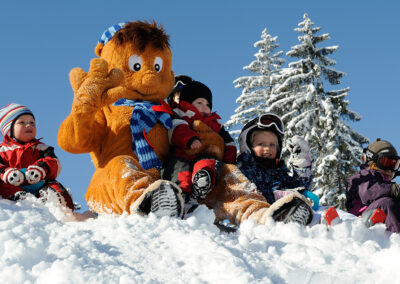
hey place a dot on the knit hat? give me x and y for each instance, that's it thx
(378, 149)
(180, 81)
(194, 90)
(9, 114)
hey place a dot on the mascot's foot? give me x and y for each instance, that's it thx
(292, 208)
(163, 198)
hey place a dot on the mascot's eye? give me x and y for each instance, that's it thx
(158, 62)
(135, 63)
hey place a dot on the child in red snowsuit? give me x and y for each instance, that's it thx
(26, 164)
(196, 174)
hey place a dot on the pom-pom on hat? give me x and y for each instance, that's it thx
(9, 114)
(194, 90)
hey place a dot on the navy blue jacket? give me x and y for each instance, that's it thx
(268, 178)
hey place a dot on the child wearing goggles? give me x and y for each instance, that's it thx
(260, 161)
(371, 190)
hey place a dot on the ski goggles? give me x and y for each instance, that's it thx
(269, 119)
(388, 163)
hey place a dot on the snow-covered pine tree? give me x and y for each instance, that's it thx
(256, 88)
(318, 115)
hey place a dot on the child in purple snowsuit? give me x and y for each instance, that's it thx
(372, 186)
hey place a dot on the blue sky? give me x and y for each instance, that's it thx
(211, 41)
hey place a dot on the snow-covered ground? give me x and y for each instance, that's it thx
(44, 244)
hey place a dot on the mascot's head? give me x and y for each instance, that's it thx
(141, 50)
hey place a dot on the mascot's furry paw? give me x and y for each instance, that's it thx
(212, 142)
(98, 88)
(163, 198)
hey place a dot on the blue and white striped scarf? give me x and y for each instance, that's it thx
(144, 117)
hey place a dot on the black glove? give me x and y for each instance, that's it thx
(395, 192)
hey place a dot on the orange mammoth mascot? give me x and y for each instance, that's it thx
(118, 116)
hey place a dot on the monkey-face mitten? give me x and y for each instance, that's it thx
(300, 155)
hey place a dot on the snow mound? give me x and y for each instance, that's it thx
(48, 244)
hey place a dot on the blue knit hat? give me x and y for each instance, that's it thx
(110, 32)
(9, 114)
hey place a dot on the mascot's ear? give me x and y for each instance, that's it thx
(99, 48)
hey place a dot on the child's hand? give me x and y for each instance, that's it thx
(300, 155)
(13, 176)
(196, 144)
(34, 174)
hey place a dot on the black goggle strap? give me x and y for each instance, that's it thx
(368, 155)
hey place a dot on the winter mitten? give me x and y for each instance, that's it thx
(13, 176)
(396, 190)
(34, 174)
(300, 155)
(305, 173)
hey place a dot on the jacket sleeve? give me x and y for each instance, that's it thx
(181, 134)
(48, 161)
(3, 168)
(230, 150)
(372, 187)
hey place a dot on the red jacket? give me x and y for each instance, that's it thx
(182, 135)
(16, 155)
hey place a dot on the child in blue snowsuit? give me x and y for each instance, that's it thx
(260, 159)
(372, 187)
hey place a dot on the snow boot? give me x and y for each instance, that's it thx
(64, 196)
(374, 216)
(202, 184)
(163, 198)
(296, 210)
(19, 195)
(330, 217)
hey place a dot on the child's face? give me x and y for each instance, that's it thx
(202, 105)
(265, 144)
(176, 96)
(24, 128)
